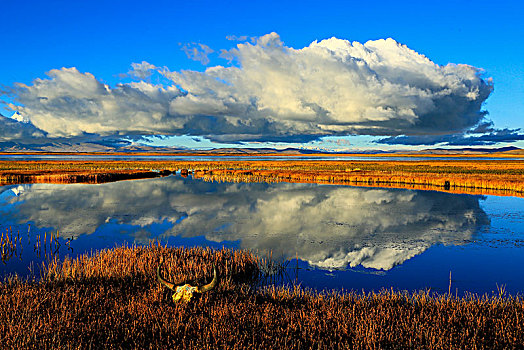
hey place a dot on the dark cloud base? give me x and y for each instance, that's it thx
(494, 137)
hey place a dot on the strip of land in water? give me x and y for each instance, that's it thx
(499, 177)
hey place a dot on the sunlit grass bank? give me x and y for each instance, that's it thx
(499, 177)
(111, 299)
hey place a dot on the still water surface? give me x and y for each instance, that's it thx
(340, 237)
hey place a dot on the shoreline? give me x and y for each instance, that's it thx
(500, 177)
(111, 298)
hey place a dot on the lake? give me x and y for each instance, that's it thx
(336, 237)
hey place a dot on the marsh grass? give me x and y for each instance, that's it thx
(110, 299)
(501, 176)
(10, 245)
(431, 177)
(46, 246)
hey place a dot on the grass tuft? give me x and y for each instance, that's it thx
(111, 299)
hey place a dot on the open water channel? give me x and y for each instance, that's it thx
(335, 237)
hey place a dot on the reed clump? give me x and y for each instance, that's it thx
(111, 299)
(10, 245)
(45, 245)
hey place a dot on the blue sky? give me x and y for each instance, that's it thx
(105, 37)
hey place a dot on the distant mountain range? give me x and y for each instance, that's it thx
(88, 147)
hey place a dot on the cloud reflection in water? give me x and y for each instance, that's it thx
(327, 226)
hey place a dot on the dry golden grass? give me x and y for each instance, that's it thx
(10, 244)
(112, 300)
(442, 181)
(45, 246)
(500, 176)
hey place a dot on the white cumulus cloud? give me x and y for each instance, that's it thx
(272, 92)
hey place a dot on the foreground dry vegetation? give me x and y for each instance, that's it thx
(112, 300)
(501, 176)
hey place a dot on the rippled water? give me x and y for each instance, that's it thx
(339, 236)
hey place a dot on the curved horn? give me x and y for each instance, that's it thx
(160, 279)
(211, 285)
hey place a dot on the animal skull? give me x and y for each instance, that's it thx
(183, 291)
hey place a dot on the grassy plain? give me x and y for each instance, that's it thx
(501, 176)
(111, 299)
